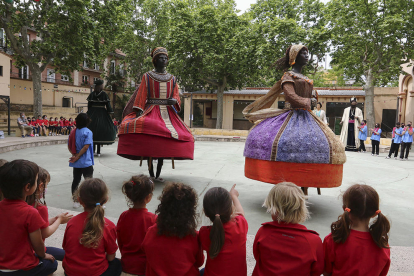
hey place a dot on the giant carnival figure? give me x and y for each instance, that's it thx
(292, 144)
(102, 127)
(151, 128)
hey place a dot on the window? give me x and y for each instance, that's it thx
(132, 83)
(64, 78)
(96, 66)
(121, 70)
(85, 64)
(85, 79)
(112, 68)
(24, 72)
(1, 71)
(50, 75)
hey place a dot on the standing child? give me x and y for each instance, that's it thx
(52, 224)
(283, 246)
(171, 246)
(375, 139)
(362, 136)
(396, 141)
(134, 223)
(355, 247)
(80, 144)
(225, 240)
(407, 141)
(22, 251)
(90, 239)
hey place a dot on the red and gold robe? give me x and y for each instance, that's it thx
(159, 132)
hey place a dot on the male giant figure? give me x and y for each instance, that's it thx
(351, 120)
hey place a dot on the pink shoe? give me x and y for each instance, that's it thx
(31, 135)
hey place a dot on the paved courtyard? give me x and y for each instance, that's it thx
(222, 164)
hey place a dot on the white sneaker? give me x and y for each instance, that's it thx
(406, 158)
(99, 154)
(76, 205)
(396, 158)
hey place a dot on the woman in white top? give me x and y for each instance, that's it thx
(320, 113)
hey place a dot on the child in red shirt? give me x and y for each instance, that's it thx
(354, 247)
(225, 240)
(171, 245)
(134, 223)
(20, 223)
(90, 239)
(51, 224)
(283, 246)
(41, 125)
(57, 126)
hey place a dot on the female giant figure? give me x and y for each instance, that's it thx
(151, 128)
(292, 145)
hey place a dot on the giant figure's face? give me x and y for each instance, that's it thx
(303, 57)
(161, 61)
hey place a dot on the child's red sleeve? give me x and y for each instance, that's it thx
(34, 221)
(200, 255)
(329, 253)
(318, 266)
(256, 252)
(110, 238)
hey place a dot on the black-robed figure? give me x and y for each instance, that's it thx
(99, 108)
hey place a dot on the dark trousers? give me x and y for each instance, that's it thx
(77, 176)
(114, 268)
(405, 147)
(44, 269)
(394, 149)
(159, 167)
(362, 145)
(375, 147)
(97, 148)
(58, 253)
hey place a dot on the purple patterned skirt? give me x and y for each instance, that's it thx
(293, 136)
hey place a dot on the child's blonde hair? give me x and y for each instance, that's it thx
(287, 203)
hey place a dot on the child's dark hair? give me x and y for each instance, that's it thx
(362, 202)
(93, 194)
(34, 199)
(82, 120)
(218, 207)
(177, 212)
(365, 121)
(2, 163)
(15, 175)
(137, 189)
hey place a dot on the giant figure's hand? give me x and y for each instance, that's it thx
(138, 112)
(171, 101)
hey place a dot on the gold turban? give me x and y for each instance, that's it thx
(158, 51)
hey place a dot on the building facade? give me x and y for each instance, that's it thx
(406, 93)
(200, 107)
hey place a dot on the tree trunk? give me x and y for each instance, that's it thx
(220, 104)
(37, 91)
(369, 99)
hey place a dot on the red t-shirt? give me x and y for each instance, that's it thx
(232, 257)
(61, 123)
(168, 256)
(359, 255)
(17, 221)
(39, 121)
(287, 249)
(44, 213)
(66, 123)
(80, 260)
(46, 122)
(131, 229)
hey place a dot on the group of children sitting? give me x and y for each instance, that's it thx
(55, 126)
(168, 243)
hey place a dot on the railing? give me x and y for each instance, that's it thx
(15, 75)
(80, 106)
(57, 81)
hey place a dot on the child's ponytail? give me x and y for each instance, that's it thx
(340, 228)
(218, 207)
(93, 193)
(379, 230)
(94, 227)
(216, 237)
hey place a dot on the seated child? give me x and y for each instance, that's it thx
(90, 239)
(52, 127)
(283, 246)
(354, 247)
(46, 124)
(41, 125)
(2, 163)
(134, 223)
(22, 251)
(171, 245)
(36, 127)
(58, 128)
(225, 240)
(52, 225)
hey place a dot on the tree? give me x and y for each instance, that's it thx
(67, 32)
(211, 46)
(282, 23)
(370, 42)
